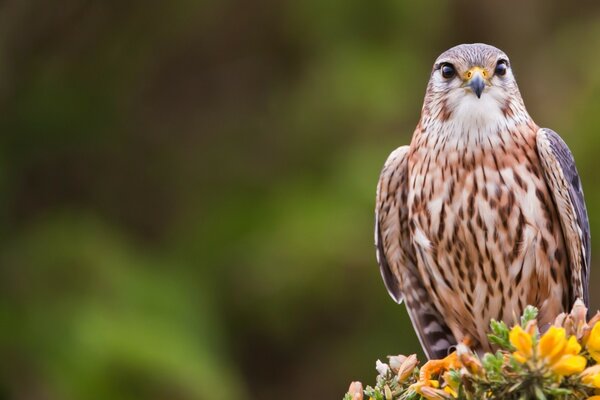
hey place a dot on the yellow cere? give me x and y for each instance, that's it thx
(470, 73)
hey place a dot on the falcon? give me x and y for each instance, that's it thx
(483, 213)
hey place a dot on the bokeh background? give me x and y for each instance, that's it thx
(187, 187)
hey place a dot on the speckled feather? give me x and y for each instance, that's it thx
(482, 214)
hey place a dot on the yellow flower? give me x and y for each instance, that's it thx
(591, 376)
(569, 365)
(523, 342)
(571, 362)
(560, 354)
(593, 342)
(451, 391)
(451, 386)
(593, 381)
(552, 344)
(572, 346)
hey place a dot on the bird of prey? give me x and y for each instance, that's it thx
(483, 213)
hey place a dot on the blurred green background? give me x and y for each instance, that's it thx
(187, 187)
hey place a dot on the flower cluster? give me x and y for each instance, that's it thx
(557, 362)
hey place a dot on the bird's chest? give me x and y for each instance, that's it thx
(482, 224)
(459, 198)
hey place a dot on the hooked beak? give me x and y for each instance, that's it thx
(475, 79)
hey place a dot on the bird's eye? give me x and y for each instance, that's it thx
(501, 68)
(448, 70)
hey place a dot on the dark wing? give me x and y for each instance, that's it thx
(564, 183)
(397, 261)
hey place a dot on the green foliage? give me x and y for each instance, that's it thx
(499, 335)
(119, 314)
(529, 314)
(389, 387)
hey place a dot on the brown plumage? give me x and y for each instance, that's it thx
(483, 213)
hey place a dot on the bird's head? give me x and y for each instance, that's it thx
(472, 81)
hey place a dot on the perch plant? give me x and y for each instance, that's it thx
(557, 362)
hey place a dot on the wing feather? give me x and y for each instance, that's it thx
(391, 232)
(396, 258)
(564, 183)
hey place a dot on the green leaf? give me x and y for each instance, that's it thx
(499, 327)
(499, 334)
(558, 391)
(493, 362)
(410, 395)
(370, 391)
(529, 314)
(539, 393)
(455, 375)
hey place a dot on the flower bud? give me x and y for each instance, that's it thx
(559, 321)
(396, 361)
(382, 368)
(531, 327)
(388, 393)
(434, 394)
(468, 360)
(356, 390)
(407, 367)
(595, 318)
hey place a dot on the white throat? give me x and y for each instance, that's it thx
(475, 121)
(475, 114)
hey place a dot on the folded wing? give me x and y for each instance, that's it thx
(396, 258)
(564, 183)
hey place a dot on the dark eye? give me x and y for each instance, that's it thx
(501, 67)
(448, 70)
